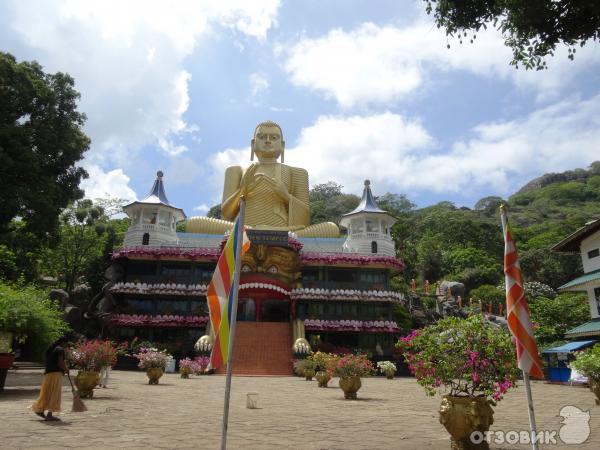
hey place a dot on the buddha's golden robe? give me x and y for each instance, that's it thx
(265, 208)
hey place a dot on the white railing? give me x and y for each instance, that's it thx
(370, 235)
(151, 227)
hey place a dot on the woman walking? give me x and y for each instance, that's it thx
(50, 392)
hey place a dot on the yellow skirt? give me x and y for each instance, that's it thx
(50, 392)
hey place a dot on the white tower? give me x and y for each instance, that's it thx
(369, 228)
(153, 219)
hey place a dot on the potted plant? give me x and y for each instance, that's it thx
(305, 368)
(350, 368)
(88, 358)
(587, 362)
(186, 367)
(154, 362)
(387, 368)
(324, 364)
(472, 362)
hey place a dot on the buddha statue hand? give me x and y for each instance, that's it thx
(276, 186)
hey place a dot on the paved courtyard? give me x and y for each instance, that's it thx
(390, 414)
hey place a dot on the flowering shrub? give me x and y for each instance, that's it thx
(467, 356)
(534, 289)
(152, 358)
(587, 362)
(301, 365)
(92, 355)
(201, 364)
(324, 361)
(386, 366)
(353, 366)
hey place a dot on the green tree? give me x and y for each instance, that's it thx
(83, 236)
(215, 212)
(395, 204)
(553, 317)
(34, 320)
(328, 203)
(41, 140)
(532, 29)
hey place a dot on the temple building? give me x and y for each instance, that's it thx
(302, 285)
(586, 241)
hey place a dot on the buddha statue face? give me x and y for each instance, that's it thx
(268, 142)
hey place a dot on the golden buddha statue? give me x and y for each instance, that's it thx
(276, 194)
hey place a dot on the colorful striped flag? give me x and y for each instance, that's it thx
(517, 312)
(220, 297)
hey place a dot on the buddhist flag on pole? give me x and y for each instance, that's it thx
(220, 296)
(516, 306)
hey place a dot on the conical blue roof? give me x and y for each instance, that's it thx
(157, 193)
(367, 202)
(157, 196)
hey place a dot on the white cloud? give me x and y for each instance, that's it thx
(127, 59)
(102, 184)
(372, 64)
(258, 84)
(203, 208)
(399, 155)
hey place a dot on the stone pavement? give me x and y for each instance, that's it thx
(177, 413)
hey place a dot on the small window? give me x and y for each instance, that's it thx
(146, 239)
(593, 253)
(374, 247)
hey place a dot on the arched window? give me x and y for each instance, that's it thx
(146, 239)
(373, 247)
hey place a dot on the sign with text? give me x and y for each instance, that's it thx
(268, 237)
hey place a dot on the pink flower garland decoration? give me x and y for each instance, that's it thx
(143, 320)
(375, 326)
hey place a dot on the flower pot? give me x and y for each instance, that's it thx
(461, 416)
(86, 382)
(389, 374)
(184, 373)
(6, 361)
(323, 378)
(350, 386)
(309, 374)
(154, 373)
(595, 388)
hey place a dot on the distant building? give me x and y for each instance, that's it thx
(586, 241)
(333, 292)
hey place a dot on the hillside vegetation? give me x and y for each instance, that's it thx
(446, 242)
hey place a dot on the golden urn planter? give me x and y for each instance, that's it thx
(389, 374)
(461, 416)
(154, 374)
(323, 378)
(309, 374)
(350, 386)
(184, 373)
(86, 382)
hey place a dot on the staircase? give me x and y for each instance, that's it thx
(262, 348)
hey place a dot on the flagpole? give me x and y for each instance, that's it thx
(530, 411)
(234, 304)
(510, 311)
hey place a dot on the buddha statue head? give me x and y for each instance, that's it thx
(267, 142)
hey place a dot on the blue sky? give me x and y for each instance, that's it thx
(362, 90)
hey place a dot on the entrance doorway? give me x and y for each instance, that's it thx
(275, 311)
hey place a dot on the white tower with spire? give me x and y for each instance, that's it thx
(153, 219)
(369, 228)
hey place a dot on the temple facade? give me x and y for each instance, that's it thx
(297, 292)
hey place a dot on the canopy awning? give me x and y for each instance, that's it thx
(581, 283)
(570, 347)
(588, 329)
